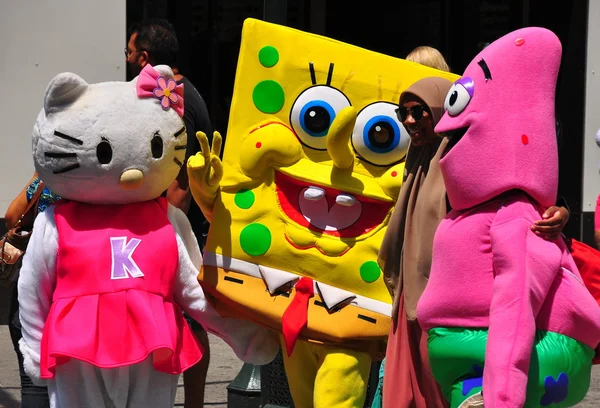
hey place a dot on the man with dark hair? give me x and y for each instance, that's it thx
(155, 42)
(152, 41)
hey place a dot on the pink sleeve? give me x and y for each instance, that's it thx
(597, 215)
(524, 268)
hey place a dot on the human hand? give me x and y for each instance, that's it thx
(552, 223)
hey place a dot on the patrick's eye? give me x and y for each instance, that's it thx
(156, 146)
(459, 96)
(313, 112)
(378, 137)
(104, 152)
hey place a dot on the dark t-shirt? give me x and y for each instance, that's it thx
(196, 119)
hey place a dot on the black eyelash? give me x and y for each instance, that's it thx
(485, 69)
(330, 74)
(57, 155)
(179, 132)
(178, 162)
(67, 137)
(313, 76)
(65, 169)
(182, 147)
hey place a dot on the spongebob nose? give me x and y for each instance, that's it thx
(270, 144)
(338, 138)
(131, 179)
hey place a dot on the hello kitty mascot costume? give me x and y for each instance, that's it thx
(109, 270)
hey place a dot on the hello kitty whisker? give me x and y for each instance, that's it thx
(178, 162)
(182, 147)
(57, 155)
(65, 169)
(180, 131)
(67, 137)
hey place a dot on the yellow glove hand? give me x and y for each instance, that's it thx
(205, 171)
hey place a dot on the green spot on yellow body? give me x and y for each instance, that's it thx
(370, 271)
(255, 239)
(244, 199)
(268, 56)
(268, 96)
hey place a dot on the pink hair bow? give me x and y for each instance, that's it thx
(151, 84)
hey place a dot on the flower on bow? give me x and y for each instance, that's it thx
(164, 92)
(151, 84)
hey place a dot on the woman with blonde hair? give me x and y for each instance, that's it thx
(428, 56)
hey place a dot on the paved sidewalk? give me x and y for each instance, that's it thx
(224, 366)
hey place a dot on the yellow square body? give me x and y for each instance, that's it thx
(313, 163)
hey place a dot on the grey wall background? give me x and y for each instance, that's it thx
(39, 39)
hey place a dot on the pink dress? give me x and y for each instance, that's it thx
(113, 301)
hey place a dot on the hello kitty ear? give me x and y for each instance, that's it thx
(165, 71)
(63, 89)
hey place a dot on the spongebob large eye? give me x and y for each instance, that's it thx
(314, 111)
(378, 137)
(459, 96)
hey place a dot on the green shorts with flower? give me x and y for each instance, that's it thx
(559, 370)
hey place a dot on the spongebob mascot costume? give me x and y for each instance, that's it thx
(313, 164)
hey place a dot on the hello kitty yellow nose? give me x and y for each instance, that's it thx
(131, 179)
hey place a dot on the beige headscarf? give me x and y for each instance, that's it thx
(405, 254)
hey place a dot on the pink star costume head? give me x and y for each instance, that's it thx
(500, 116)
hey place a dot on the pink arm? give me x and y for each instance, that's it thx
(525, 266)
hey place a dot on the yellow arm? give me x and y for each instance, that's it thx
(205, 171)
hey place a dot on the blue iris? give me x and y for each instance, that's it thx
(381, 134)
(316, 118)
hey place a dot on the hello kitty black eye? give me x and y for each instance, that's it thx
(156, 145)
(104, 152)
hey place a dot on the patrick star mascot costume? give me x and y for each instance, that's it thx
(510, 322)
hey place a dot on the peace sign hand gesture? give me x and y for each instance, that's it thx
(205, 171)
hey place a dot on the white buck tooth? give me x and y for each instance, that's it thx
(346, 200)
(314, 193)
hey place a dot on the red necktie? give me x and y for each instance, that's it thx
(294, 318)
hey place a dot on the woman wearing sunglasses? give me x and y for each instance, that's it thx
(405, 254)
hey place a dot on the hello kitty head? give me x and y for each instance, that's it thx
(111, 142)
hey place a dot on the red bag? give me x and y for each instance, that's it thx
(587, 260)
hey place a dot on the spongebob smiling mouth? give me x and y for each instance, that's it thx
(331, 199)
(327, 210)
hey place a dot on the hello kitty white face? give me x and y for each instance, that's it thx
(102, 144)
